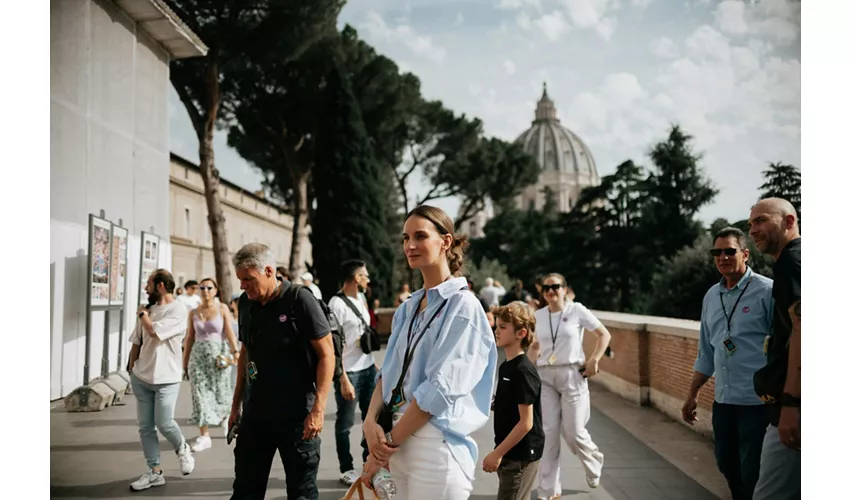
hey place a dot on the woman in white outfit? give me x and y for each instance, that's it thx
(424, 410)
(564, 397)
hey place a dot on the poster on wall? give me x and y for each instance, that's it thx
(99, 250)
(118, 262)
(149, 264)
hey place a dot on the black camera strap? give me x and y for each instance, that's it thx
(351, 306)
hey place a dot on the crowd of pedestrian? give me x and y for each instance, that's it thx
(455, 356)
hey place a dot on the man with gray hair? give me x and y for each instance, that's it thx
(287, 364)
(735, 321)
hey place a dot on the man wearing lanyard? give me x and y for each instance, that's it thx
(736, 319)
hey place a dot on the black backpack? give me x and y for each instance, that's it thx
(289, 297)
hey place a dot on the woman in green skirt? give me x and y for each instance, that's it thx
(208, 356)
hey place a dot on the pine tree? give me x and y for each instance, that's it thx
(352, 190)
(782, 181)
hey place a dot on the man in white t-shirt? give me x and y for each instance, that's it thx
(357, 382)
(190, 298)
(156, 370)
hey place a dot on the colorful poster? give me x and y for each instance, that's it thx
(119, 266)
(149, 264)
(99, 250)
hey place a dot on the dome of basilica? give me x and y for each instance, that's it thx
(567, 166)
(556, 147)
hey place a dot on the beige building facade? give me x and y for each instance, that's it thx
(249, 218)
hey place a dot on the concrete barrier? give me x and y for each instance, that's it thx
(118, 384)
(92, 397)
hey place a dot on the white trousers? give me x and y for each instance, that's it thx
(424, 468)
(565, 402)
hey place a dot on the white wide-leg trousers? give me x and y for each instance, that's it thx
(565, 402)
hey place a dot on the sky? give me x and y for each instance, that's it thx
(619, 71)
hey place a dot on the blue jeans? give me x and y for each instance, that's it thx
(155, 410)
(738, 436)
(364, 385)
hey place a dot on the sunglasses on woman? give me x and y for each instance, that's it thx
(715, 252)
(205, 288)
(546, 288)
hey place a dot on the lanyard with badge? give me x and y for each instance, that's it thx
(727, 342)
(397, 398)
(553, 332)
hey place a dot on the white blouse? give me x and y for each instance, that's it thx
(560, 334)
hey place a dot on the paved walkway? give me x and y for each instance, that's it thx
(97, 455)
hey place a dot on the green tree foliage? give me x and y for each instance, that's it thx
(239, 33)
(677, 189)
(782, 181)
(353, 191)
(682, 281)
(493, 169)
(274, 128)
(487, 268)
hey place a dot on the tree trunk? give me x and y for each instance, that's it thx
(299, 221)
(210, 176)
(215, 218)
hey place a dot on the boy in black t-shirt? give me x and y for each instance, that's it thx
(517, 422)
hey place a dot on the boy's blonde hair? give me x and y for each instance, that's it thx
(520, 315)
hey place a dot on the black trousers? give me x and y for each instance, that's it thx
(738, 436)
(256, 444)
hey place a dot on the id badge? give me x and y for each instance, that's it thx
(730, 346)
(252, 371)
(552, 359)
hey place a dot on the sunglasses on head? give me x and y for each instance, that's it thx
(715, 252)
(205, 287)
(546, 288)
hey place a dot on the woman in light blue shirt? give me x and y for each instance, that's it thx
(435, 387)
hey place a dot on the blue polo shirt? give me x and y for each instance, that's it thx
(750, 324)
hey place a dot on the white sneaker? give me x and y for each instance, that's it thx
(148, 479)
(201, 444)
(185, 459)
(348, 478)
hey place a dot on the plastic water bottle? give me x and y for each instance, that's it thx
(384, 485)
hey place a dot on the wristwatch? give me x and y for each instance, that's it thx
(390, 441)
(788, 400)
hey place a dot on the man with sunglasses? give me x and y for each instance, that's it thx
(736, 319)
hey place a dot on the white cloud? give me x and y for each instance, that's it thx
(641, 4)
(523, 21)
(552, 25)
(778, 20)
(593, 14)
(708, 43)
(510, 67)
(475, 89)
(459, 19)
(517, 4)
(664, 47)
(405, 34)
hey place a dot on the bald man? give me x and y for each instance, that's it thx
(774, 228)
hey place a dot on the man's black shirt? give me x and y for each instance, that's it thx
(519, 384)
(278, 341)
(786, 291)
